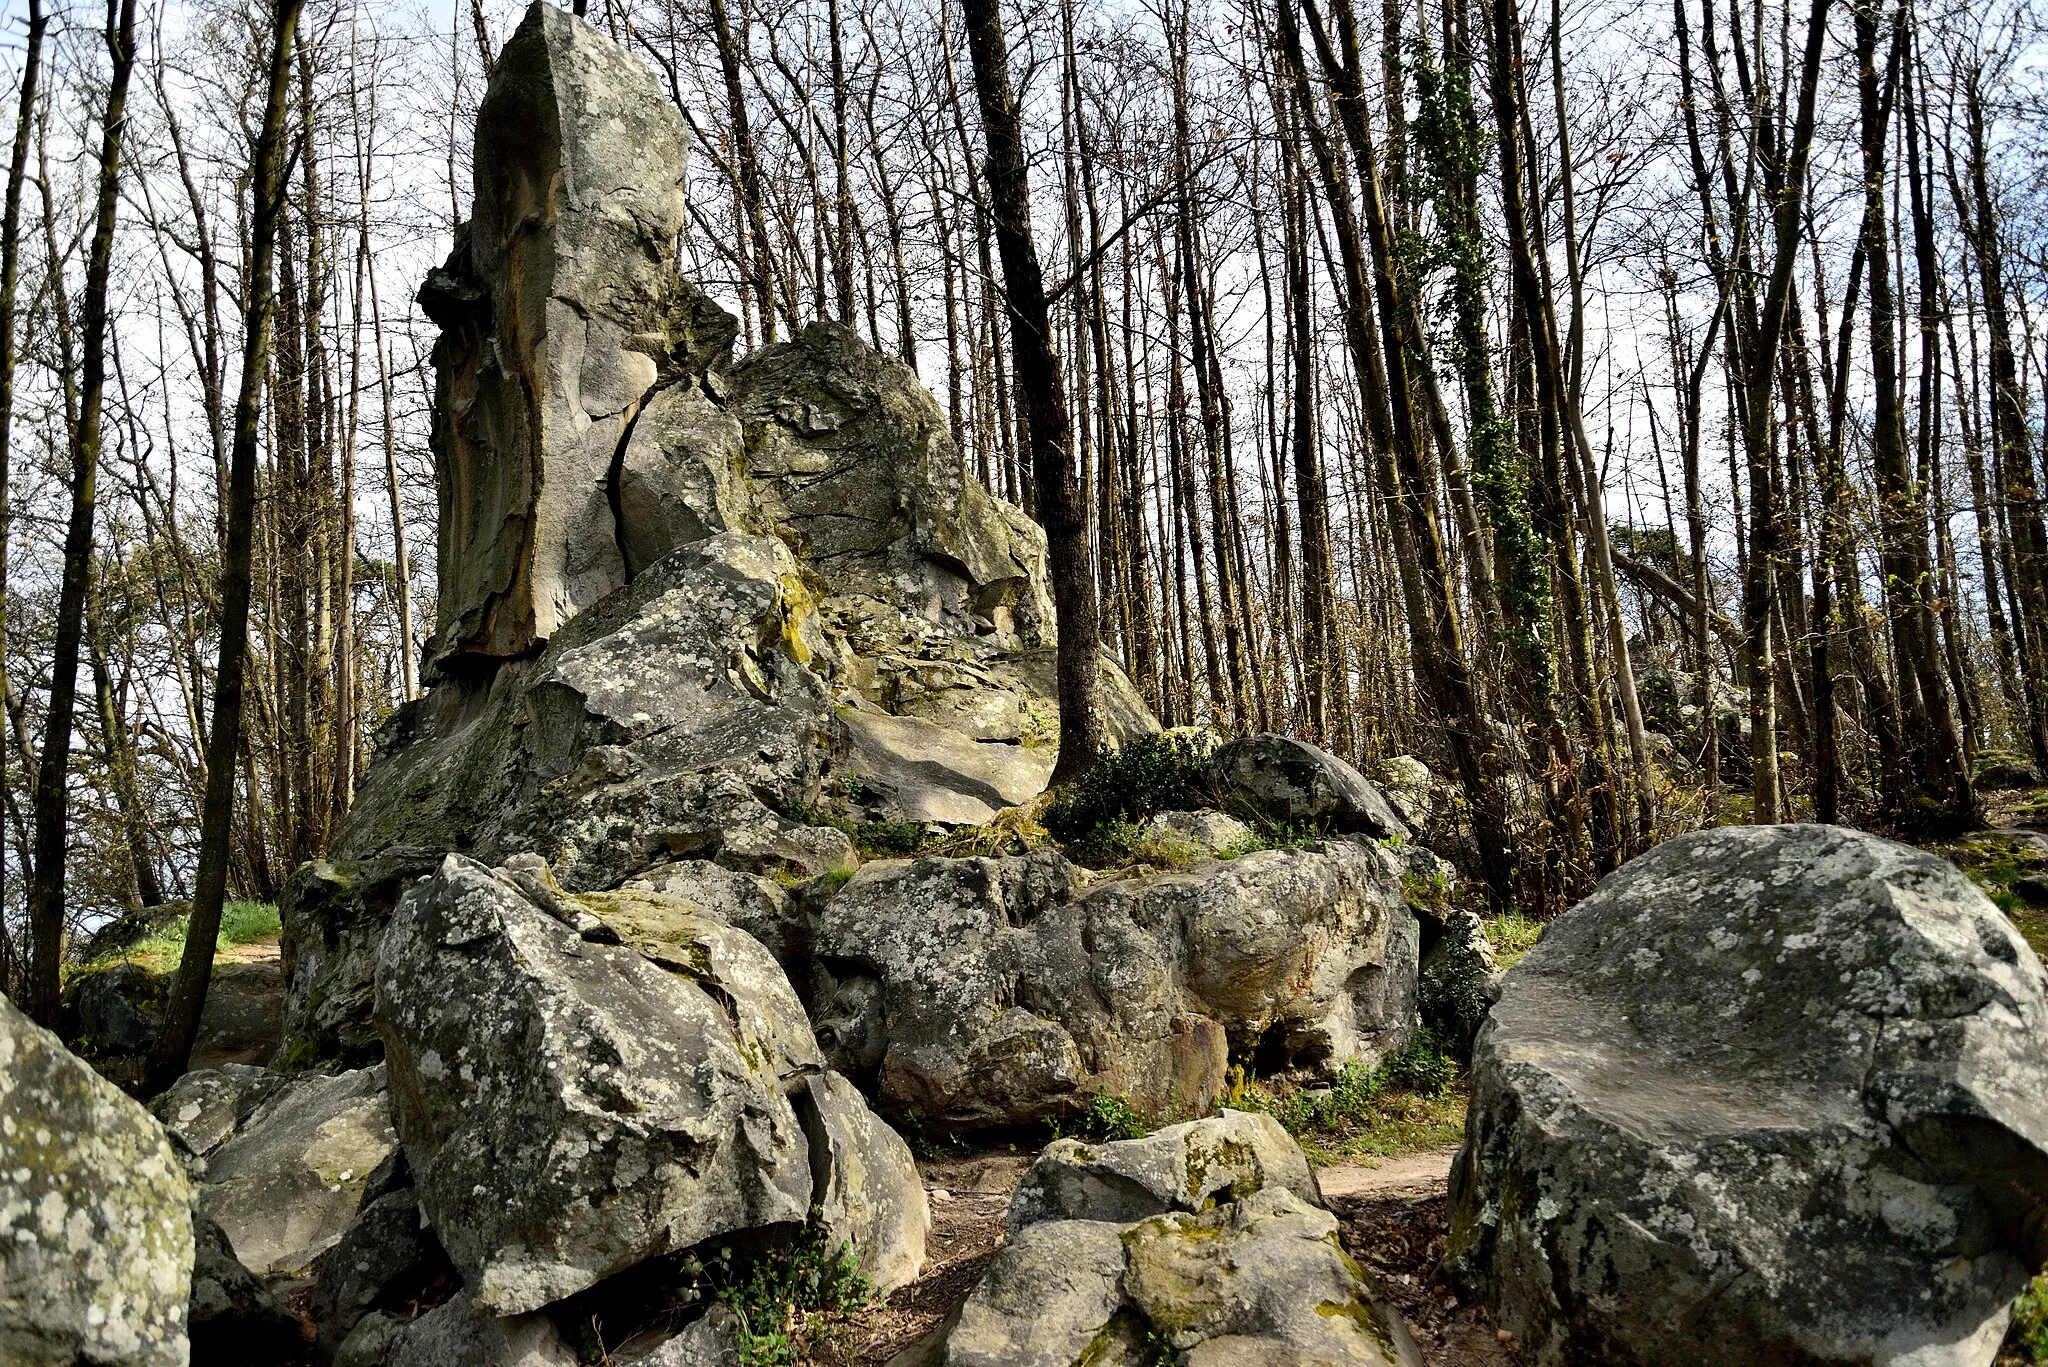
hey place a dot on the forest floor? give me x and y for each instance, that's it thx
(1392, 1215)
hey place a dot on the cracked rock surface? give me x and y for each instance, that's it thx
(1770, 1094)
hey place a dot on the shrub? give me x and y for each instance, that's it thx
(1154, 773)
(2027, 1339)
(1427, 1064)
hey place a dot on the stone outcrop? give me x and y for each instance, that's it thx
(385, 1260)
(1012, 991)
(559, 309)
(1249, 1274)
(1189, 1167)
(570, 1108)
(297, 1171)
(576, 1102)
(1290, 783)
(95, 1215)
(233, 1316)
(1770, 1094)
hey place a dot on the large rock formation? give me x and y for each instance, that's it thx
(1139, 1258)
(1002, 991)
(1771, 1094)
(573, 1105)
(95, 1215)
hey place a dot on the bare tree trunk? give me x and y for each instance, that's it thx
(1043, 396)
(195, 969)
(52, 802)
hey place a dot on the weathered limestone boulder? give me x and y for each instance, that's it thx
(385, 1259)
(300, 1167)
(1246, 1275)
(762, 907)
(1187, 1167)
(204, 1109)
(1289, 782)
(1417, 796)
(573, 1108)
(334, 913)
(676, 712)
(557, 309)
(1771, 1094)
(865, 1186)
(463, 1333)
(233, 1316)
(1206, 832)
(95, 1215)
(1002, 991)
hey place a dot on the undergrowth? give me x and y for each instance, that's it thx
(241, 923)
(1155, 773)
(1512, 934)
(1104, 1119)
(796, 1306)
(1411, 1101)
(2026, 1342)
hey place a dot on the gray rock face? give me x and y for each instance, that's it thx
(300, 1167)
(1206, 832)
(1771, 1094)
(1187, 1167)
(572, 1108)
(1292, 783)
(558, 310)
(385, 1258)
(464, 1333)
(1240, 1274)
(1011, 993)
(205, 1109)
(95, 1215)
(865, 1185)
(233, 1317)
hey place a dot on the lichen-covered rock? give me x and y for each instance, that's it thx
(1417, 796)
(1005, 992)
(300, 1167)
(1187, 1167)
(204, 1109)
(233, 1316)
(1771, 1094)
(1289, 782)
(334, 913)
(760, 906)
(1261, 1279)
(572, 1108)
(465, 1333)
(1205, 832)
(1242, 1272)
(557, 309)
(865, 1185)
(95, 1215)
(672, 720)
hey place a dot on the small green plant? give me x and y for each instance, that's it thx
(1410, 1102)
(890, 837)
(1108, 1118)
(2027, 1340)
(792, 1307)
(1427, 1065)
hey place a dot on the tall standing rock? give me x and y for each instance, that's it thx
(560, 307)
(1772, 1094)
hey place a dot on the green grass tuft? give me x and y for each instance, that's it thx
(1412, 1101)
(1512, 934)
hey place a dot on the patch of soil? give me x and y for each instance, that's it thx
(1393, 1221)
(970, 1205)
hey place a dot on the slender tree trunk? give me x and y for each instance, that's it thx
(53, 770)
(1043, 396)
(216, 838)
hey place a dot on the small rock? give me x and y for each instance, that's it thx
(1289, 782)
